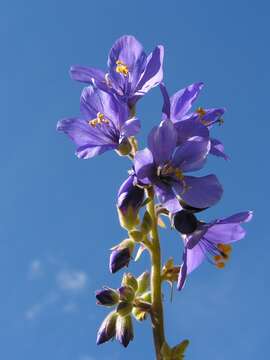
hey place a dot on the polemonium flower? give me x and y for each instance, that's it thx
(208, 240)
(177, 107)
(104, 125)
(164, 164)
(131, 73)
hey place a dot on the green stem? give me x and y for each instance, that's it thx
(157, 307)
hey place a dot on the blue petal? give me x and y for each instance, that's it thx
(182, 101)
(162, 142)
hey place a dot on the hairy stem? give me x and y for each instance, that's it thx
(156, 281)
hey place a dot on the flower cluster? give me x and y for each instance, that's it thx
(179, 145)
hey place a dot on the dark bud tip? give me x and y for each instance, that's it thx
(185, 222)
(107, 297)
(119, 258)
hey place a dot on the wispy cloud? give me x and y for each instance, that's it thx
(35, 310)
(71, 280)
(35, 269)
(86, 357)
(66, 288)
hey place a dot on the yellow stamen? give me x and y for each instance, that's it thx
(220, 265)
(200, 111)
(100, 119)
(122, 68)
(220, 260)
(225, 248)
(217, 258)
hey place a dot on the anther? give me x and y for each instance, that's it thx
(122, 68)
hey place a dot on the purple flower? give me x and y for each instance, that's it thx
(163, 165)
(211, 240)
(104, 124)
(131, 73)
(176, 108)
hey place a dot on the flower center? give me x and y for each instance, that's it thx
(122, 68)
(168, 170)
(224, 251)
(99, 120)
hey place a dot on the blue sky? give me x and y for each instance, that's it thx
(58, 216)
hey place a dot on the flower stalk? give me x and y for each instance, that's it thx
(179, 145)
(156, 281)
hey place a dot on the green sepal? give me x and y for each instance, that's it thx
(124, 308)
(130, 281)
(147, 223)
(143, 283)
(136, 235)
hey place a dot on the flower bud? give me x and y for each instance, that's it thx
(185, 222)
(130, 280)
(126, 293)
(178, 351)
(107, 329)
(107, 297)
(124, 308)
(121, 255)
(130, 199)
(124, 330)
(143, 283)
(124, 147)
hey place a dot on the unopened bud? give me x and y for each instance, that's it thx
(185, 222)
(124, 330)
(107, 297)
(130, 280)
(124, 147)
(178, 351)
(129, 202)
(121, 255)
(126, 293)
(107, 329)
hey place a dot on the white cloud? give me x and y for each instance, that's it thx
(86, 357)
(67, 284)
(35, 310)
(71, 280)
(70, 307)
(35, 269)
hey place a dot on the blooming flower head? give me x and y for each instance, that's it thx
(131, 73)
(207, 240)
(164, 164)
(104, 124)
(177, 107)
